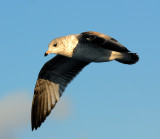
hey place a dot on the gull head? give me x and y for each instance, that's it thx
(56, 46)
(63, 45)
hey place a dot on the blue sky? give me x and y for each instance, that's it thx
(106, 100)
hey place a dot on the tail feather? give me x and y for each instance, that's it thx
(128, 58)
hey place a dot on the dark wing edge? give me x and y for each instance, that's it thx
(51, 83)
(104, 41)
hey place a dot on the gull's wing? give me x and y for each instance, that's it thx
(104, 41)
(52, 80)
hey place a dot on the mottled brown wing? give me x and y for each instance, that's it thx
(104, 41)
(52, 80)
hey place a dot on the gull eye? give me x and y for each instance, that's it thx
(55, 45)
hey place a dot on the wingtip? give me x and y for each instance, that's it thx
(129, 58)
(35, 127)
(135, 58)
(32, 127)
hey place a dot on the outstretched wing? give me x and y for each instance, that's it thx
(104, 41)
(52, 80)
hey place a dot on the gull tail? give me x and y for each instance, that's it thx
(128, 58)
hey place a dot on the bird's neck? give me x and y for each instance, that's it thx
(70, 44)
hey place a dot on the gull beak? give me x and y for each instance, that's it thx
(46, 53)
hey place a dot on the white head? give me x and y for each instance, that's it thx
(56, 46)
(62, 45)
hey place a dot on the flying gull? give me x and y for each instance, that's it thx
(74, 52)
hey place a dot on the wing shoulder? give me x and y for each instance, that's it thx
(104, 41)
